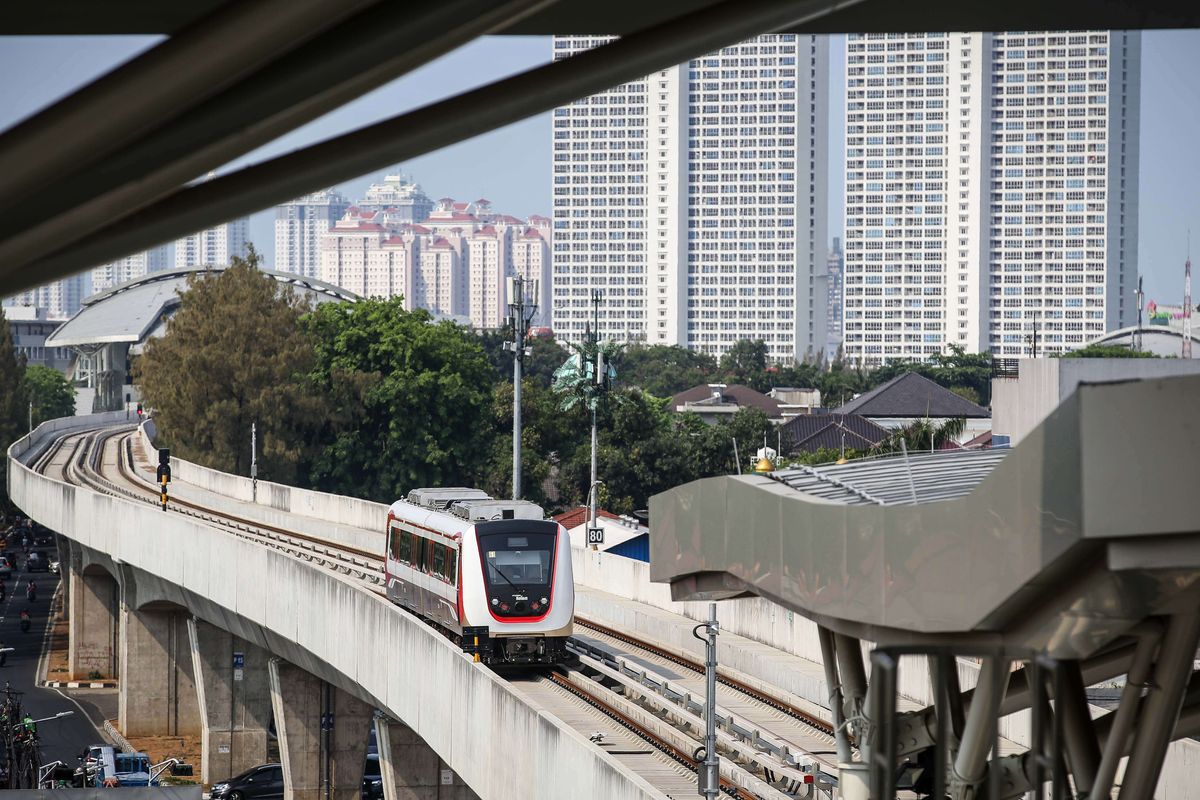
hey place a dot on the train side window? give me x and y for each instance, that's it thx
(452, 565)
(405, 547)
(439, 560)
(393, 547)
(422, 559)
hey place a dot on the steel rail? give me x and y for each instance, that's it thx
(722, 677)
(597, 701)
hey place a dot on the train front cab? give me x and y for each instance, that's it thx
(526, 595)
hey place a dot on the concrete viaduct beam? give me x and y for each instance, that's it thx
(157, 691)
(93, 596)
(322, 735)
(234, 702)
(410, 769)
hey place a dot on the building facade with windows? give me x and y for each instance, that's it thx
(216, 246)
(695, 200)
(299, 225)
(454, 264)
(130, 268)
(991, 191)
(60, 299)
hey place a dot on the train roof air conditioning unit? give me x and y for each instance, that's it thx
(488, 510)
(440, 499)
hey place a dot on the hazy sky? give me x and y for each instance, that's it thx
(511, 167)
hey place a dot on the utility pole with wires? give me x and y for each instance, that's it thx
(601, 371)
(521, 311)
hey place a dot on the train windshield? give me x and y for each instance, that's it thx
(518, 559)
(518, 566)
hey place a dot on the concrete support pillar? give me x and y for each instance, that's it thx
(411, 770)
(234, 701)
(318, 759)
(92, 599)
(157, 694)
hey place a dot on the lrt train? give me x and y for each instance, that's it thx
(494, 574)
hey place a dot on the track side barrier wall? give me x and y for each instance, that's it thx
(337, 629)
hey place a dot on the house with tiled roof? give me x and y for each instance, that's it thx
(623, 535)
(912, 397)
(716, 401)
(811, 433)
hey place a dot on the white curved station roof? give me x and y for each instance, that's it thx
(132, 311)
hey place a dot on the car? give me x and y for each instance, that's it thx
(372, 785)
(263, 782)
(37, 561)
(6, 568)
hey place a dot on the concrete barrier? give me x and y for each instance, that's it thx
(340, 631)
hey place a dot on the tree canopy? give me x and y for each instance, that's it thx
(13, 400)
(410, 399)
(231, 356)
(50, 392)
(1107, 351)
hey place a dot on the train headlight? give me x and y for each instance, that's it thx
(495, 601)
(544, 601)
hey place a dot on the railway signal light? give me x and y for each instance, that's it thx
(164, 474)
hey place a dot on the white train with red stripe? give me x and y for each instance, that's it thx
(467, 562)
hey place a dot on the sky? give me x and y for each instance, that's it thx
(511, 166)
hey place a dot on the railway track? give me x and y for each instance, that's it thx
(643, 714)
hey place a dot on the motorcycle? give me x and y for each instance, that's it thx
(25, 622)
(31, 592)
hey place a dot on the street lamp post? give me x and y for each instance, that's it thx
(521, 311)
(597, 298)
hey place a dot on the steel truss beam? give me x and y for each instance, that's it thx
(331, 69)
(418, 132)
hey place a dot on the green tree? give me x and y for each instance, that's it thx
(234, 355)
(51, 393)
(923, 435)
(411, 399)
(545, 356)
(745, 362)
(665, 370)
(14, 406)
(1106, 351)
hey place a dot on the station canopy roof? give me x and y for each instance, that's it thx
(133, 312)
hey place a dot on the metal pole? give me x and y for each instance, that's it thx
(1161, 711)
(1083, 749)
(710, 773)
(597, 297)
(1126, 713)
(970, 768)
(254, 461)
(833, 686)
(519, 316)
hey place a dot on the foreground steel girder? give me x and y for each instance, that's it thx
(622, 17)
(418, 132)
(362, 53)
(117, 108)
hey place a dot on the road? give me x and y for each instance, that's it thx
(62, 739)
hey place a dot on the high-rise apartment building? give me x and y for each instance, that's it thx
(402, 198)
(130, 268)
(695, 200)
(215, 246)
(991, 191)
(60, 299)
(834, 302)
(299, 225)
(455, 263)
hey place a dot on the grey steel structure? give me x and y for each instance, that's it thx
(122, 151)
(1076, 553)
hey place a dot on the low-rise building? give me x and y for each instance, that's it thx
(31, 326)
(1020, 402)
(717, 401)
(912, 397)
(812, 433)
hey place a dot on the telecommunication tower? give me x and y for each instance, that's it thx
(1187, 302)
